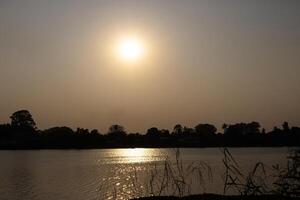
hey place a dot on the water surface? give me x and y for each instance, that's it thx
(111, 173)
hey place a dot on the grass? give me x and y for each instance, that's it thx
(174, 180)
(252, 183)
(177, 179)
(220, 197)
(288, 178)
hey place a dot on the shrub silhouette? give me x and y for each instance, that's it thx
(23, 133)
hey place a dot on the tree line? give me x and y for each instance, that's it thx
(22, 133)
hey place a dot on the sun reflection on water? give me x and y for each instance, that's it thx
(130, 156)
(137, 155)
(136, 152)
(128, 171)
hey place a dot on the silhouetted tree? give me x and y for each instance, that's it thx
(82, 131)
(153, 132)
(23, 119)
(95, 132)
(243, 129)
(58, 131)
(295, 130)
(177, 129)
(286, 127)
(116, 128)
(236, 130)
(5, 131)
(224, 127)
(188, 131)
(205, 129)
(165, 132)
(276, 130)
(22, 133)
(252, 128)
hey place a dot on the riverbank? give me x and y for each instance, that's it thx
(37, 146)
(221, 197)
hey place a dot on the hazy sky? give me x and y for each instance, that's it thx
(204, 62)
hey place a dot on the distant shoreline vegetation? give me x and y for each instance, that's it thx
(22, 133)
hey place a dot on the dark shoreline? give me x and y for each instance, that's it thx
(220, 197)
(133, 147)
(22, 133)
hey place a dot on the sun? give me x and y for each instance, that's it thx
(130, 49)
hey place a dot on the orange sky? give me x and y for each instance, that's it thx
(205, 62)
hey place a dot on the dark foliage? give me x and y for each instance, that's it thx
(22, 133)
(22, 119)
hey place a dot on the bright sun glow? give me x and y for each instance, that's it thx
(130, 49)
(133, 155)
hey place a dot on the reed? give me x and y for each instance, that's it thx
(253, 183)
(175, 178)
(288, 178)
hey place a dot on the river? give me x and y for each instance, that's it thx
(118, 173)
